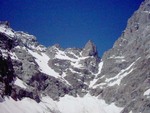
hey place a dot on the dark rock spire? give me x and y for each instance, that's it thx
(89, 49)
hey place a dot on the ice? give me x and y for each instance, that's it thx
(42, 60)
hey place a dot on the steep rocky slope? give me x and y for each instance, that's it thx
(126, 67)
(73, 80)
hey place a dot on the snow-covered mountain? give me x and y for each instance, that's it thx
(37, 79)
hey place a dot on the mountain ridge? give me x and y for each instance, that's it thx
(54, 78)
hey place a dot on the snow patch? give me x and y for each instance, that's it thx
(7, 31)
(147, 12)
(13, 56)
(61, 55)
(99, 71)
(20, 83)
(42, 60)
(4, 53)
(117, 57)
(147, 93)
(77, 64)
(100, 67)
(117, 79)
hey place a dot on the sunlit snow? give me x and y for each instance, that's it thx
(20, 83)
(99, 71)
(42, 60)
(147, 93)
(67, 104)
(7, 31)
(117, 79)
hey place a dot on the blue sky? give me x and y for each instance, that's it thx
(70, 23)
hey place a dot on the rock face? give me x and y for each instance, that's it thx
(125, 74)
(121, 77)
(89, 49)
(61, 71)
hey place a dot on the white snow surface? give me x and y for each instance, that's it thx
(75, 62)
(61, 55)
(7, 31)
(67, 104)
(117, 79)
(130, 112)
(99, 71)
(20, 83)
(147, 92)
(13, 56)
(6, 53)
(26, 105)
(87, 104)
(147, 12)
(117, 57)
(42, 60)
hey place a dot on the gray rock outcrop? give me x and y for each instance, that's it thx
(89, 49)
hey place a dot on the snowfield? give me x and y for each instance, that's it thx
(67, 104)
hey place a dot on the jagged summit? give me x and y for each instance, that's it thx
(4, 23)
(89, 49)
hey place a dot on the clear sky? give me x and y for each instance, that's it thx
(70, 23)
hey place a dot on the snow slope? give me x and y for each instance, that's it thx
(99, 71)
(7, 31)
(67, 104)
(42, 60)
(87, 104)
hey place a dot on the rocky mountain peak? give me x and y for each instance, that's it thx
(89, 49)
(51, 79)
(4, 23)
